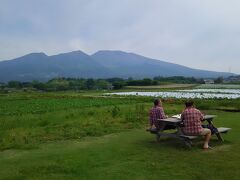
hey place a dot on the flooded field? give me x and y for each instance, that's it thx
(192, 93)
(218, 91)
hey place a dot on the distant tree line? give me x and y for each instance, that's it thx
(63, 84)
(179, 80)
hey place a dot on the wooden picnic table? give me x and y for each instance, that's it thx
(178, 124)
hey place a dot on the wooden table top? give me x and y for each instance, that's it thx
(176, 120)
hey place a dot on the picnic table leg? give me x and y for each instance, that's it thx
(163, 125)
(217, 133)
(188, 143)
(219, 136)
(158, 137)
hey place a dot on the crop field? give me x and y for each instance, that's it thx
(219, 86)
(90, 136)
(28, 119)
(187, 93)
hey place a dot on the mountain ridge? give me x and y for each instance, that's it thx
(102, 64)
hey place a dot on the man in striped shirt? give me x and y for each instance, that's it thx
(192, 119)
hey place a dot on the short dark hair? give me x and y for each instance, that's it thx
(189, 103)
(156, 102)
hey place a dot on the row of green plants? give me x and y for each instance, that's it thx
(29, 130)
(27, 119)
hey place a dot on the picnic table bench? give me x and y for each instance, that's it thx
(178, 134)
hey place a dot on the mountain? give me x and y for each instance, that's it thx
(130, 64)
(102, 64)
(39, 66)
(78, 64)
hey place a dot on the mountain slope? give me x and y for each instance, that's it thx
(103, 64)
(139, 66)
(25, 68)
(38, 66)
(78, 64)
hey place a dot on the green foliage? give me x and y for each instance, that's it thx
(219, 80)
(89, 84)
(39, 85)
(115, 111)
(118, 85)
(179, 79)
(102, 84)
(26, 119)
(63, 84)
(211, 104)
(14, 84)
(58, 85)
(143, 82)
(141, 112)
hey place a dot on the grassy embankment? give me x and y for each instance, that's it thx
(67, 135)
(167, 86)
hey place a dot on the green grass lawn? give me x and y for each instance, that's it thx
(127, 155)
(71, 136)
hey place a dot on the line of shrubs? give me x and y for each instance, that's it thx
(61, 84)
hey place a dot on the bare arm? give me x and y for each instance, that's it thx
(162, 114)
(201, 116)
(182, 116)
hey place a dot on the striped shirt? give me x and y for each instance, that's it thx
(156, 113)
(192, 118)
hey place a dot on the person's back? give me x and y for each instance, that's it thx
(156, 113)
(192, 119)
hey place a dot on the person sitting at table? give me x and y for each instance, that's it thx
(156, 112)
(192, 118)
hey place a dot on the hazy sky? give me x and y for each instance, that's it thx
(203, 34)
